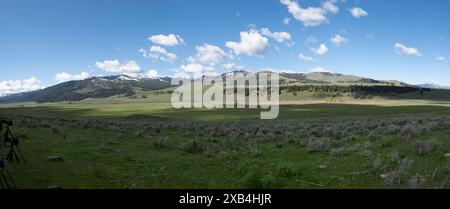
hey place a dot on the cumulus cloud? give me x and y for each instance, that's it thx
(338, 40)
(311, 16)
(407, 51)
(18, 86)
(152, 74)
(64, 77)
(323, 49)
(130, 68)
(194, 69)
(286, 20)
(233, 67)
(274, 70)
(159, 53)
(252, 43)
(440, 58)
(330, 6)
(305, 58)
(209, 55)
(358, 12)
(166, 40)
(319, 70)
(278, 36)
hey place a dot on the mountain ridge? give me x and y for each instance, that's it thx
(106, 86)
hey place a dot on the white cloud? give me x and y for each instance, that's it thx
(232, 66)
(278, 36)
(166, 40)
(433, 82)
(330, 6)
(270, 69)
(209, 55)
(358, 12)
(408, 51)
(338, 40)
(196, 69)
(319, 70)
(18, 86)
(159, 53)
(152, 74)
(286, 20)
(440, 58)
(64, 77)
(321, 50)
(311, 16)
(252, 44)
(130, 68)
(305, 58)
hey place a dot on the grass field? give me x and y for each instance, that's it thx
(142, 145)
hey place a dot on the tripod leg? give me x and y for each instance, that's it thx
(17, 157)
(4, 178)
(1, 184)
(9, 157)
(21, 155)
(11, 179)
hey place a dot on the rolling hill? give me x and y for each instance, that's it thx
(102, 87)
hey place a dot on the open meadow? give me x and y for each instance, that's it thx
(353, 144)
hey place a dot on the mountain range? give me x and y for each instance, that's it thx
(102, 87)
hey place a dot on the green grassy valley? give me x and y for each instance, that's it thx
(317, 142)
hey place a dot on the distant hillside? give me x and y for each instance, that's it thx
(103, 87)
(433, 86)
(333, 78)
(95, 87)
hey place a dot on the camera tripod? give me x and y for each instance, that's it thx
(13, 142)
(3, 177)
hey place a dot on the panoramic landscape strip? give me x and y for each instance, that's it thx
(275, 94)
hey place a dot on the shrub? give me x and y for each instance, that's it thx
(318, 144)
(416, 182)
(212, 150)
(409, 132)
(191, 146)
(255, 151)
(426, 147)
(258, 180)
(287, 170)
(404, 165)
(377, 163)
(338, 152)
(393, 175)
(162, 142)
(373, 136)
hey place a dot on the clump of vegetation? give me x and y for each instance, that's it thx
(367, 149)
(416, 182)
(255, 151)
(394, 173)
(162, 142)
(212, 150)
(258, 180)
(287, 170)
(192, 146)
(426, 147)
(373, 136)
(338, 152)
(409, 132)
(318, 144)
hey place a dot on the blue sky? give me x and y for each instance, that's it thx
(49, 41)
